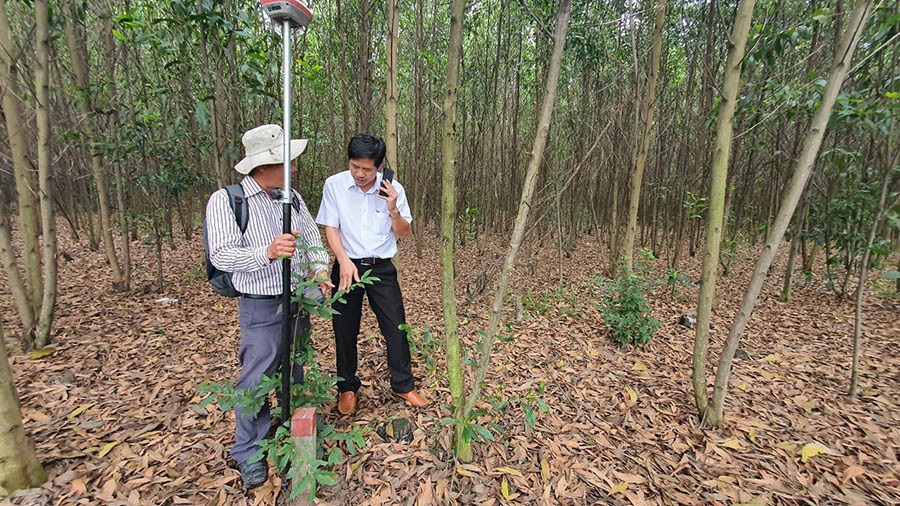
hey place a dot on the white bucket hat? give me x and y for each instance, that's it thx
(264, 145)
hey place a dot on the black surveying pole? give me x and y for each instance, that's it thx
(286, 371)
(290, 14)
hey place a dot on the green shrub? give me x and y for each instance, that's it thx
(624, 308)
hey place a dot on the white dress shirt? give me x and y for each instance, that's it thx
(362, 219)
(245, 255)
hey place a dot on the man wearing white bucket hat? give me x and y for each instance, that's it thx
(250, 256)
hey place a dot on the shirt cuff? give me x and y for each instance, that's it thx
(327, 223)
(262, 259)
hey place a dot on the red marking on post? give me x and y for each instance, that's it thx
(303, 423)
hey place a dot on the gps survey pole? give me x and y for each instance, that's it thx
(289, 14)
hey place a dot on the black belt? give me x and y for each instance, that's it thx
(265, 297)
(370, 261)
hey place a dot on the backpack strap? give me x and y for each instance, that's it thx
(238, 205)
(295, 200)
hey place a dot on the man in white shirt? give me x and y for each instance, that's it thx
(361, 228)
(252, 257)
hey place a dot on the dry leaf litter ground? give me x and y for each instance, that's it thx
(112, 410)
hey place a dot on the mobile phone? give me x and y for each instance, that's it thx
(387, 175)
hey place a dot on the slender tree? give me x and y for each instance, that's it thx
(26, 186)
(391, 95)
(864, 270)
(840, 67)
(464, 407)
(448, 223)
(42, 111)
(77, 53)
(648, 111)
(19, 466)
(737, 43)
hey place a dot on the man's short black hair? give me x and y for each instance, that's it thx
(367, 146)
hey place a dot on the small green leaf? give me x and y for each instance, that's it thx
(481, 431)
(326, 478)
(42, 352)
(300, 485)
(207, 401)
(529, 414)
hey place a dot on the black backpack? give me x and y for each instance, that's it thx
(221, 280)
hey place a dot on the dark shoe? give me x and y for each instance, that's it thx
(347, 403)
(254, 474)
(413, 399)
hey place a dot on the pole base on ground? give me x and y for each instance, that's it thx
(303, 436)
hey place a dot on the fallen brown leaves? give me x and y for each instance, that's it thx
(112, 409)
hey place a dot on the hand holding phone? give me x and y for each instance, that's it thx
(387, 175)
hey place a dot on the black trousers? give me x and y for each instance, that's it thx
(387, 303)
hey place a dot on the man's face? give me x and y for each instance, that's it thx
(363, 171)
(273, 175)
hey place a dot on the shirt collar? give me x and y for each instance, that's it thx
(251, 187)
(374, 187)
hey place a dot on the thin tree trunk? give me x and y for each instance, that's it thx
(419, 128)
(391, 95)
(796, 242)
(788, 286)
(643, 148)
(42, 96)
(109, 47)
(531, 175)
(221, 180)
(14, 280)
(363, 72)
(88, 204)
(863, 272)
(614, 224)
(157, 248)
(19, 466)
(80, 69)
(219, 116)
(345, 96)
(26, 187)
(811, 143)
(724, 132)
(448, 219)
(124, 225)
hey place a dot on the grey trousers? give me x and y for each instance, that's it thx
(260, 353)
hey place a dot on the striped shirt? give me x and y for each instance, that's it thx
(245, 255)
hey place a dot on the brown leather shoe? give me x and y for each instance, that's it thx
(413, 399)
(347, 403)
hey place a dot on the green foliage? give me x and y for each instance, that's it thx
(728, 252)
(695, 205)
(565, 304)
(677, 279)
(841, 225)
(480, 425)
(314, 390)
(196, 273)
(471, 220)
(422, 345)
(625, 309)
